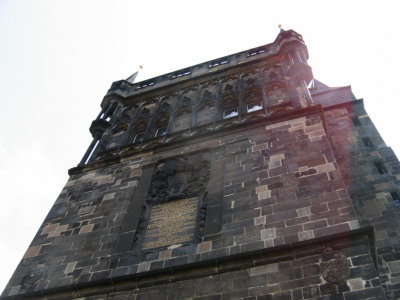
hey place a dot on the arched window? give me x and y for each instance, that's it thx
(159, 126)
(253, 100)
(182, 118)
(139, 131)
(205, 112)
(230, 104)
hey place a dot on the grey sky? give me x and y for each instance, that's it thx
(58, 58)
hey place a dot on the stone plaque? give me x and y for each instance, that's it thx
(171, 223)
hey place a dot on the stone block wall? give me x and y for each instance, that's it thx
(273, 185)
(191, 193)
(298, 271)
(360, 150)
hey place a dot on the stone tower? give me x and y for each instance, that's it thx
(238, 178)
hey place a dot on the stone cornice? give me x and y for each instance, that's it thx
(237, 126)
(124, 89)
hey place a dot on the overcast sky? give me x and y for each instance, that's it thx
(58, 59)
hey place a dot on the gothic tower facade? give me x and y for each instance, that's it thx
(238, 178)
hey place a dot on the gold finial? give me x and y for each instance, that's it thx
(280, 27)
(141, 67)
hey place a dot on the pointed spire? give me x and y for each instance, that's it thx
(280, 27)
(132, 78)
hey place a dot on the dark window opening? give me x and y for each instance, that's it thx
(381, 167)
(181, 73)
(395, 198)
(162, 131)
(230, 113)
(254, 106)
(110, 111)
(356, 122)
(145, 84)
(367, 142)
(256, 51)
(139, 138)
(218, 62)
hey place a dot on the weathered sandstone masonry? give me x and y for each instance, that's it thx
(239, 178)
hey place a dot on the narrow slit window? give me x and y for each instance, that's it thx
(230, 113)
(380, 167)
(254, 106)
(367, 142)
(396, 198)
(356, 122)
(162, 131)
(139, 138)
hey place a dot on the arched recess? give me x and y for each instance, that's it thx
(159, 125)
(118, 118)
(139, 131)
(182, 116)
(229, 102)
(121, 121)
(205, 112)
(252, 98)
(206, 95)
(276, 89)
(250, 76)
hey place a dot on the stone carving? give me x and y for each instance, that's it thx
(228, 88)
(98, 127)
(335, 270)
(121, 124)
(207, 94)
(186, 101)
(164, 107)
(119, 127)
(183, 179)
(145, 112)
(178, 178)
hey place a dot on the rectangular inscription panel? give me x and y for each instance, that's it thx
(171, 223)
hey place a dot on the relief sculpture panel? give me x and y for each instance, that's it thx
(179, 178)
(175, 207)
